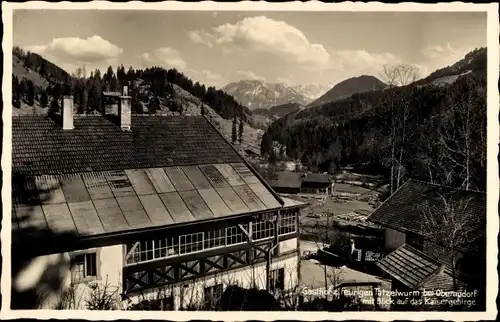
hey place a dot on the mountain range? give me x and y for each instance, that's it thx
(427, 137)
(256, 94)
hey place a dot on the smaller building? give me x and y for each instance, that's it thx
(287, 182)
(296, 182)
(419, 220)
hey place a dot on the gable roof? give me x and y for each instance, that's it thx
(409, 266)
(97, 179)
(317, 178)
(40, 146)
(287, 179)
(402, 211)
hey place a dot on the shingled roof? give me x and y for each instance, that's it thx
(97, 179)
(40, 146)
(402, 211)
(287, 179)
(410, 266)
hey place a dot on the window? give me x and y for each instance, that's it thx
(277, 280)
(215, 238)
(288, 223)
(153, 249)
(234, 235)
(262, 229)
(212, 296)
(191, 243)
(84, 266)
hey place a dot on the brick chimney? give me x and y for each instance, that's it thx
(124, 112)
(67, 112)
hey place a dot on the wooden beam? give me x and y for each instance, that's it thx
(131, 251)
(249, 235)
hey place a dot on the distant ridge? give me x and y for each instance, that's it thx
(348, 87)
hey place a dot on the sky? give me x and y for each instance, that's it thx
(216, 48)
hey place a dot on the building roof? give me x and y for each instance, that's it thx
(317, 178)
(409, 266)
(40, 146)
(403, 210)
(287, 179)
(294, 180)
(293, 203)
(96, 179)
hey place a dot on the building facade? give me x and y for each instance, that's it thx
(414, 218)
(147, 208)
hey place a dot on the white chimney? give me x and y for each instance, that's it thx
(124, 112)
(125, 90)
(67, 112)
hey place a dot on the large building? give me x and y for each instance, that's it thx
(156, 207)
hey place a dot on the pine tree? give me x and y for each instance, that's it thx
(240, 131)
(44, 99)
(202, 109)
(31, 93)
(16, 96)
(23, 89)
(266, 146)
(234, 132)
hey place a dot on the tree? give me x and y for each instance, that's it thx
(234, 132)
(44, 99)
(450, 224)
(463, 123)
(85, 98)
(202, 109)
(130, 74)
(240, 131)
(266, 145)
(16, 92)
(398, 78)
(31, 93)
(154, 105)
(94, 98)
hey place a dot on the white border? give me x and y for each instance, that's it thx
(492, 163)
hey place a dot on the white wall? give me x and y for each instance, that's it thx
(288, 245)
(192, 292)
(394, 239)
(109, 264)
(45, 270)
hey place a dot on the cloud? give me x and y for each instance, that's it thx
(249, 75)
(438, 51)
(75, 50)
(163, 57)
(205, 76)
(284, 80)
(439, 56)
(360, 59)
(200, 37)
(262, 34)
(253, 36)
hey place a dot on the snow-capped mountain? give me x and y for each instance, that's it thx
(256, 94)
(311, 91)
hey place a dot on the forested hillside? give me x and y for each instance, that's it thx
(39, 83)
(432, 133)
